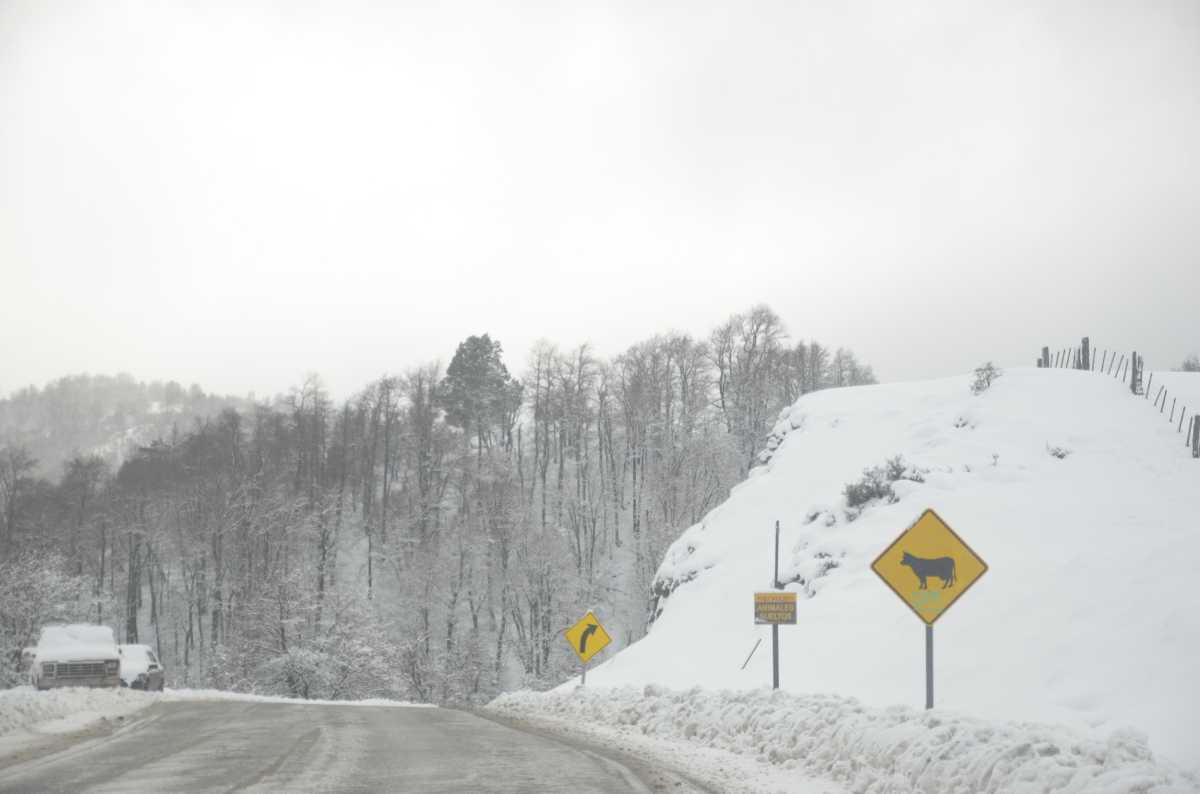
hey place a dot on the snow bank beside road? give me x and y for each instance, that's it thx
(63, 710)
(882, 751)
(218, 694)
(72, 708)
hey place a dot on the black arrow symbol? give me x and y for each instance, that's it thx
(583, 638)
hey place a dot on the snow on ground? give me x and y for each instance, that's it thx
(217, 694)
(26, 714)
(617, 720)
(1080, 497)
(790, 739)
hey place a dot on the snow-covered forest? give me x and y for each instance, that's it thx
(428, 538)
(105, 416)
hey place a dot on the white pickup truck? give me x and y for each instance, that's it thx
(76, 655)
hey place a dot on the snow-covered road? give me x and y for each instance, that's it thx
(231, 745)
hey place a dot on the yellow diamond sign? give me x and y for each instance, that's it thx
(587, 637)
(929, 567)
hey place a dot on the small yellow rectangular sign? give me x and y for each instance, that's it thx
(775, 608)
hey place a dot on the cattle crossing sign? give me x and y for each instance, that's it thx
(929, 567)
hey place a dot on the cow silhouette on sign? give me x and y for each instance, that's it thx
(942, 568)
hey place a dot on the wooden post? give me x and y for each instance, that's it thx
(1057, 353)
(1149, 383)
(1120, 365)
(1172, 418)
(1163, 408)
(1046, 357)
(1135, 373)
(1086, 358)
(1160, 388)
(1182, 414)
(1196, 436)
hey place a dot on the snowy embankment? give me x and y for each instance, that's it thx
(883, 751)
(218, 694)
(1081, 498)
(65, 710)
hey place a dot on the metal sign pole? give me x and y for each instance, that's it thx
(928, 666)
(775, 626)
(775, 655)
(777, 587)
(583, 677)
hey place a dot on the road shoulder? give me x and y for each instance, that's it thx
(26, 746)
(648, 770)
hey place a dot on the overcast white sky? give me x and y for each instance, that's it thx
(237, 194)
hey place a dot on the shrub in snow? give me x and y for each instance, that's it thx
(827, 517)
(343, 654)
(984, 376)
(876, 483)
(897, 469)
(810, 569)
(1058, 452)
(871, 486)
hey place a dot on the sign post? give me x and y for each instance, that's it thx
(928, 665)
(587, 638)
(774, 608)
(929, 567)
(775, 626)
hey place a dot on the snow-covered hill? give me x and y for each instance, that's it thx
(104, 415)
(1080, 497)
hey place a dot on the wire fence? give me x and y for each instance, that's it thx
(1130, 370)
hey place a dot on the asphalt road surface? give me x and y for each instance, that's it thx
(229, 746)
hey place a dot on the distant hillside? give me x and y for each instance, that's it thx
(104, 415)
